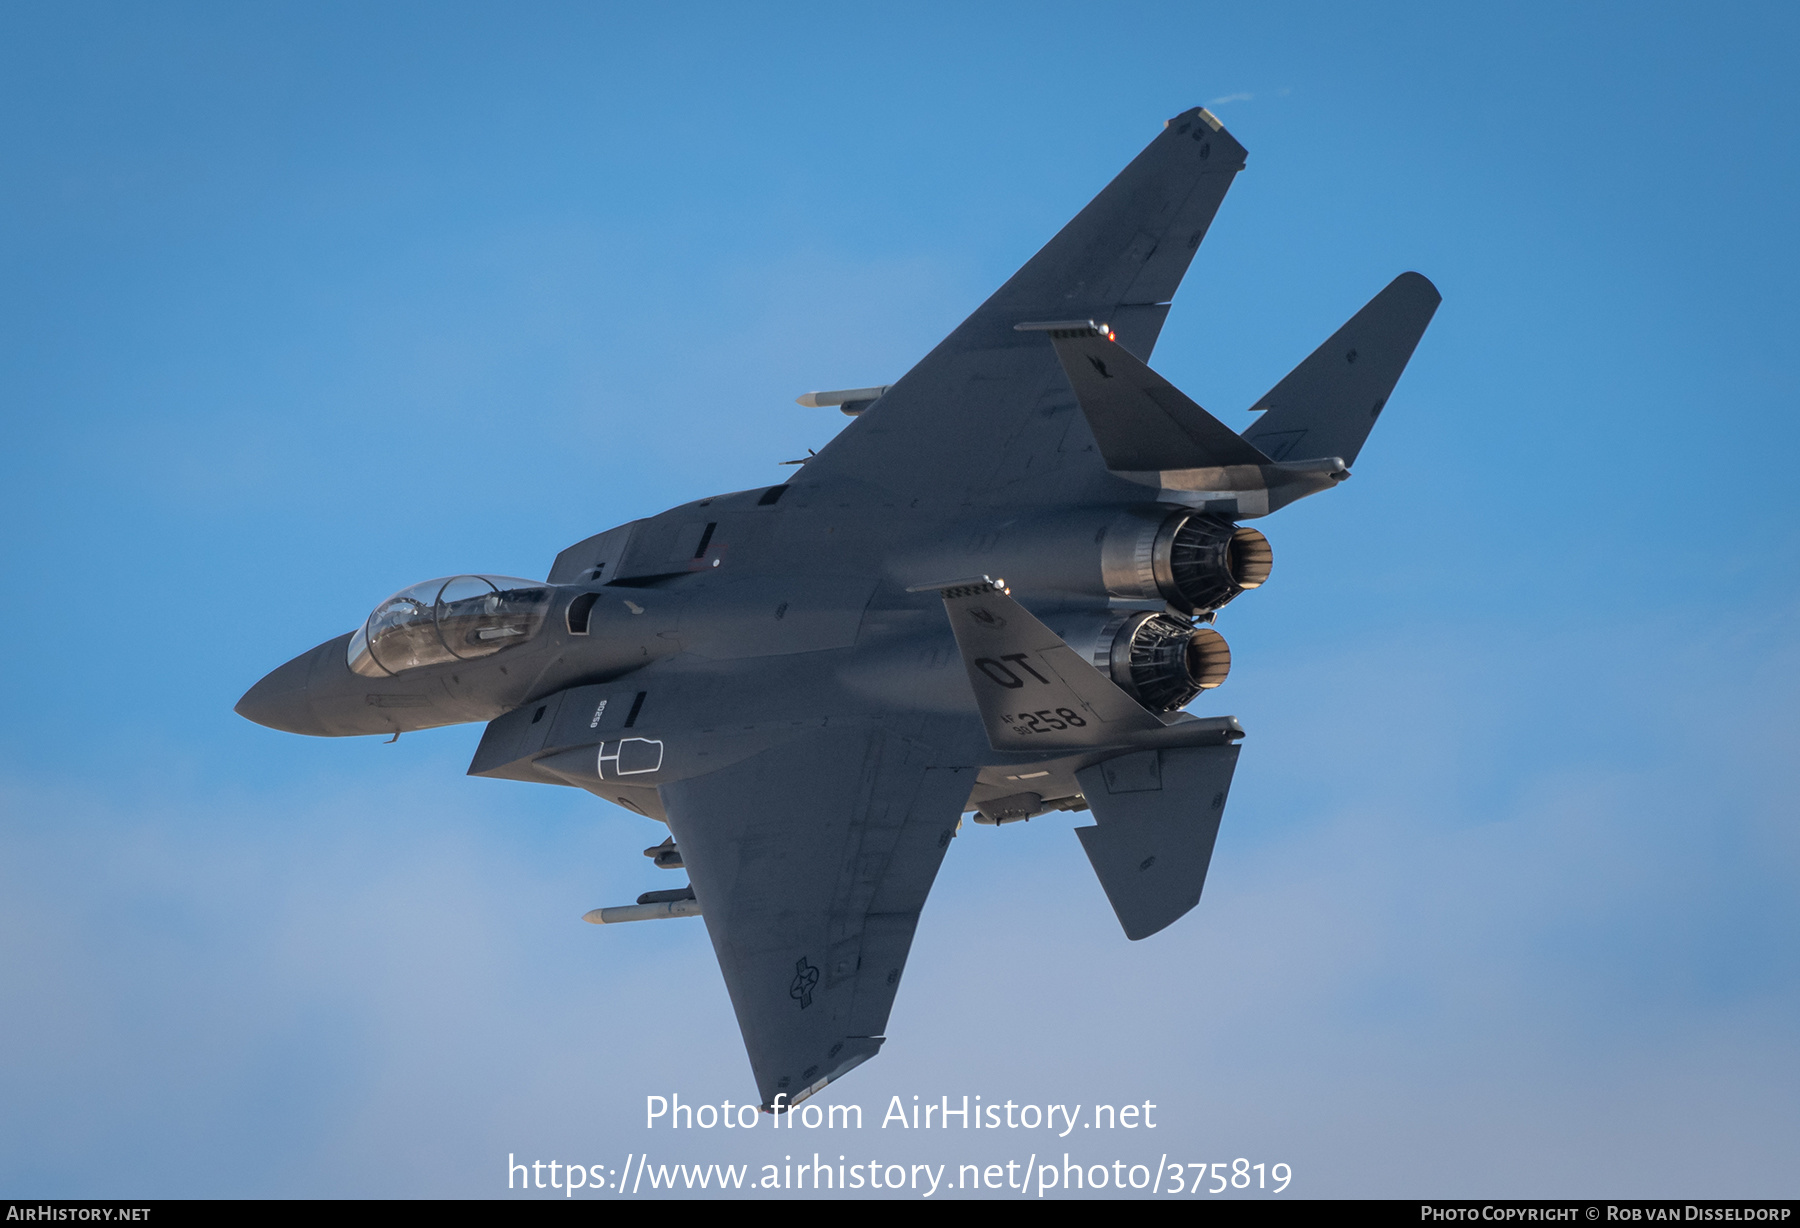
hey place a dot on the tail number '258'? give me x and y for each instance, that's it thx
(1044, 720)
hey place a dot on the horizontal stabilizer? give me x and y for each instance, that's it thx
(1156, 817)
(1034, 691)
(1328, 404)
(1141, 421)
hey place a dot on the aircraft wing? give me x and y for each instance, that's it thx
(990, 406)
(810, 863)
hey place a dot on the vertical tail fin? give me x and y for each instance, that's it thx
(1328, 404)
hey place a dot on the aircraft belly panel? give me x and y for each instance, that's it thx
(770, 616)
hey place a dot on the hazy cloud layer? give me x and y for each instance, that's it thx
(1587, 976)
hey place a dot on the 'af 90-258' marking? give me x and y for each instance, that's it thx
(1044, 720)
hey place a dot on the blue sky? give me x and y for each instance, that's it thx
(305, 303)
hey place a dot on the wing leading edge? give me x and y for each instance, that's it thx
(975, 411)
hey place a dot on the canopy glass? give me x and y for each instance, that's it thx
(459, 618)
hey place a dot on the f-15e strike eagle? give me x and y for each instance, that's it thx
(992, 592)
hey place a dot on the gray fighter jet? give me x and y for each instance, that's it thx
(992, 592)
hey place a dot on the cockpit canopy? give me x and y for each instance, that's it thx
(459, 618)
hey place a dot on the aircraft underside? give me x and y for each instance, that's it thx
(994, 593)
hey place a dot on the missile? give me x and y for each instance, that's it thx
(852, 401)
(651, 906)
(642, 912)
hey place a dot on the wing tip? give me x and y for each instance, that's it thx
(1202, 125)
(1412, 280)
(1196, 113)
(783, 1102)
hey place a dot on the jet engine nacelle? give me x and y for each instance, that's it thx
(1195, 561)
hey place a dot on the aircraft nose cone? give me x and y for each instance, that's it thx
(280, 702)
